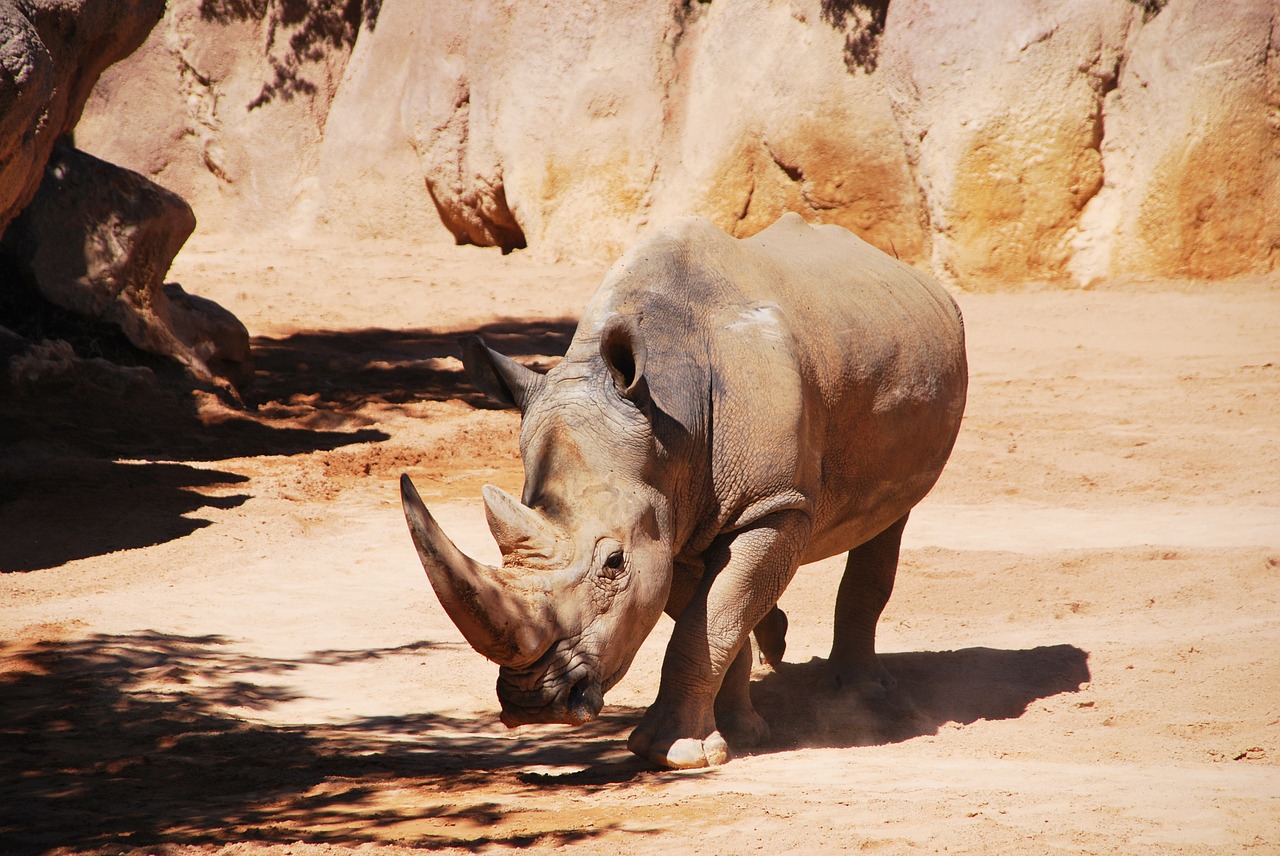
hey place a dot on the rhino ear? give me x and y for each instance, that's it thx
(622, 347)
(500, 378)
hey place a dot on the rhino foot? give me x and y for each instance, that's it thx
(742, 728)
(685, 753)
(870, 680)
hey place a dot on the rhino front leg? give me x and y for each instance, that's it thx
(746, 572)
(735, 716)
(864, 590)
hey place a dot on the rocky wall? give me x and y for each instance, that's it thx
(995, 143)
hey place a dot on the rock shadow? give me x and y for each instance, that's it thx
(56, 511)
(66, 492)
(134, 741)
(148, 740)
(342, 371)
(298, 33)
(934, 688)
(84, 472)
(862, 22)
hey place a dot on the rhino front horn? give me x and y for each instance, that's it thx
(503, 620)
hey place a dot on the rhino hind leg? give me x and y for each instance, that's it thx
(771, 637)
(736, 716)
(864, 590)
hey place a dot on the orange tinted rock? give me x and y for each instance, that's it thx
(98, 239)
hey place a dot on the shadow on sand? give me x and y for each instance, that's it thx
(140, 741)
(934, 688)
(144, 740)
(87, 470)
(342, 371)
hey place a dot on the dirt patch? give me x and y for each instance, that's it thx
(217, 638)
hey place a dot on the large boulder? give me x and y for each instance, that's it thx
(369, 178)
(51, 55)
(777, 107)
(539, 119)
(98, 239)
(577, 126)
(533, 122)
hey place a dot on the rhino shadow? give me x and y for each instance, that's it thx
(934, 688)
(141, 741)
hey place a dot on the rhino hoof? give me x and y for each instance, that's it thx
(686, 753)
(742, 728)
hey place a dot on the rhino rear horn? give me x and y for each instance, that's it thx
(506, 622)
(522, 530)
(500, 378)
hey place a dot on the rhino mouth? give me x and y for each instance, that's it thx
(562, 687)
(580, 705)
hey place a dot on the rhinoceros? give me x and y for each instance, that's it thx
(727, 410)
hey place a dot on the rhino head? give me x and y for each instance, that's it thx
(586, 558)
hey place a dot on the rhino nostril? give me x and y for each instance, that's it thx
(585, 701)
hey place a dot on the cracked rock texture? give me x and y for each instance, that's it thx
(226, 103)
(995, 143)
(51, 54)
(81, 233)
(98, 240)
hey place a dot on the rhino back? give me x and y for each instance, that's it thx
(818, 372)
(883, 356)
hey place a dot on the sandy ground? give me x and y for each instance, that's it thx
(217, 637)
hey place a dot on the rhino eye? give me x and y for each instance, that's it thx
(613, 564)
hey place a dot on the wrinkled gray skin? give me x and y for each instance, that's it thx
(728, 410)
